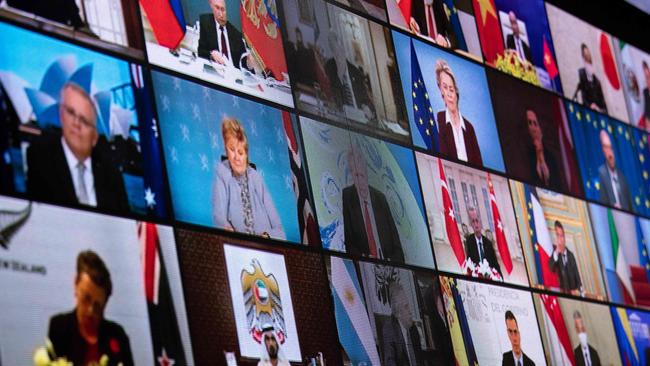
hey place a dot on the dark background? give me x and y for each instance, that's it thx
(209, 308)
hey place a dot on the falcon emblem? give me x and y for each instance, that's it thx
(262, 302)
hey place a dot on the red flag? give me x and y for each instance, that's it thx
(148, 235)
(557, 327)
(405, 7)
(306, 219)
(608, 62)
(549, 61)
(500, 235)
(167, 21)
(261, 28)
(450, 220)
(489, 33)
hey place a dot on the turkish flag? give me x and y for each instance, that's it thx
(450, 220)
(608, 62)
(261, 28)
(405, 7)
(500, 235)
(489, 32)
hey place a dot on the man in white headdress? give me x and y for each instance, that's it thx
(271, 355)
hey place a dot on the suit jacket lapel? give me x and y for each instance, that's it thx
(63, 177)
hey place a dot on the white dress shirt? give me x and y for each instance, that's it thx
(88, 179)
(459, 139)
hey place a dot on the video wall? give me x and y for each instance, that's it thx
(293, 182)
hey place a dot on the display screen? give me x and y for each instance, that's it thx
(324, 182)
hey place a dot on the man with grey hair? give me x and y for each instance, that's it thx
(400, 336)
(614, 189)
(368, 224)
(514, 40)
(584, 353)
(477, 246)
(69, 168)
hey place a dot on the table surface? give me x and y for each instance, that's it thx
(227, 76)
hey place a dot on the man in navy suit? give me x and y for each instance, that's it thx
(515, 42)
(477, 246)
(614, 189)
(219, 40)
(584, 353)
(515, 357)
(70, 168)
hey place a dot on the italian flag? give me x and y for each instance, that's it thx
(622, 269)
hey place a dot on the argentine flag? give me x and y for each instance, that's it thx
(352, 323)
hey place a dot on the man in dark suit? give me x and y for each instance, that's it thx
(584, 353)
(369, 227)
(515, 357)
(564, 264)
(589, 85)
(429, 19)
(401, 344)
(83, 336)
(219, 40)
(614, 189)
(477, 246)
(70, 169)
(514, 40)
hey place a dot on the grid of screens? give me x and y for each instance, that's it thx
(340, 182)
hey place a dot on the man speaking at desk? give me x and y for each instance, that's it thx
(220, 41)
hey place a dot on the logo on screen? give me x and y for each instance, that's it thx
(262, 302)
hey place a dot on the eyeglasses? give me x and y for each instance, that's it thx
(71, 113)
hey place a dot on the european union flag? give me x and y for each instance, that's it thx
(422, 111)
(452, 13)
(642, 243)
(643, 157)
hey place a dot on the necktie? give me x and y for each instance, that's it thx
(587, 360)
(564, 259)
(481, 252)
(519, 363)
(372, 244)
(615, 188)
(431, 23)
(224, 44)
(82, 193)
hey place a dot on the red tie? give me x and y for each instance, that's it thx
(431, 23)
(224, 45)
(372, 244)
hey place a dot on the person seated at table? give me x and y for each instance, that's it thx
(220, 41)
(241, 200)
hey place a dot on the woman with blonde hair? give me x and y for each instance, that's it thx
(456, 134)
(241, 200)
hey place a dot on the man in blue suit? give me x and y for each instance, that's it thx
(614, 189)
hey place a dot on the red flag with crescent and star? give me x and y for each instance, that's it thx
(451, 225)
(502, 243)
